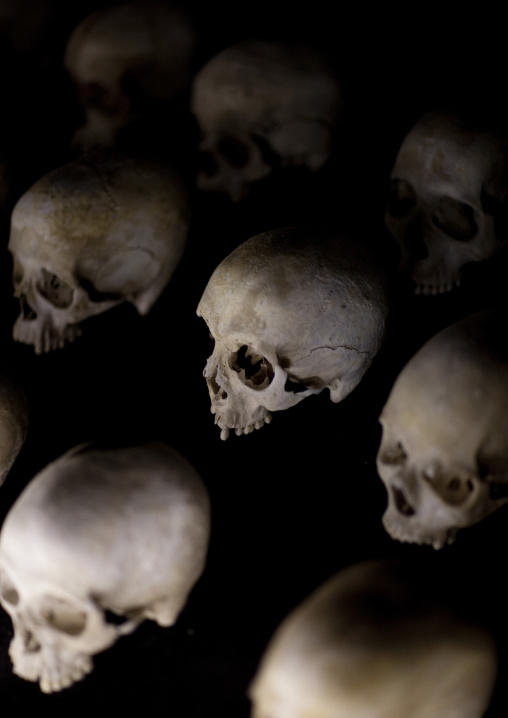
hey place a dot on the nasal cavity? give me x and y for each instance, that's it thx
(402, 505)
(413, 242)
(26, 310)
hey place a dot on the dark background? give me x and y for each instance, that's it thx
(300, 499)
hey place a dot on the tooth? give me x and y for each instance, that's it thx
(224, 433)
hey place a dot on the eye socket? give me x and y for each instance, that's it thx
(63, 616)
(393, 454)
(57, 292)
(455, 218)
(233, 151)
(452, 487)
(402, 198)
(257, 372)
(7, 590)
(294, 386)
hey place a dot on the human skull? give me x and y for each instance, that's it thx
(448, 202)
(119, 530)
(260, 104)
(124, 57)
(374, 642)
(444, 450)
(14, 421)
(292, 311)
(95, 232)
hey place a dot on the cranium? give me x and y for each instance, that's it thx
(98, 231)
(119, 530)
(374, 642)
(14, 420)
(261, 104)
(448, 199)
(293, 311)
(444, 450)
(125, 58)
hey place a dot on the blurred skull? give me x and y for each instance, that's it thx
(261, 104)
(444, 450)
(99, 530)
(14, 420)
(89, 235)
(375, 642)
(292, 311)
(449, 198)
(123, 58)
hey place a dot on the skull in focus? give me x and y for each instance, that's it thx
(123, 531)
(374, 642)
(14, 421)
(443, 455)
(95, 232)
(292, 311)
(260, 105)
(449, 198)
(125, 58)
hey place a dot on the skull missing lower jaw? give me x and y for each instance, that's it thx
(125, 59)
(443, 456)
(104, 229)
(447, 207)
(97, 534)
(263, 105)
(292, 311)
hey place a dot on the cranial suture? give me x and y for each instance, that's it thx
(292, 311)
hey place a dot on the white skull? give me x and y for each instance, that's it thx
(444, 449)
(14, 421)
(260, 104)
(124, 57)
(374, 642)
(119, 530)
(89, 235)
(292, 311)
(448, 199)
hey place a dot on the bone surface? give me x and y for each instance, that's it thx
(259, 98)
(14, 422)
(119, 530)
(447, 204)
(374, 642)
(124, 57)
(292, 312)
(98, 231)
(444, 449)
